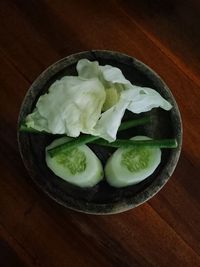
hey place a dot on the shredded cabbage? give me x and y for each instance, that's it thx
(75, 104)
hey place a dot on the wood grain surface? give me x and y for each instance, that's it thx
(35, 231)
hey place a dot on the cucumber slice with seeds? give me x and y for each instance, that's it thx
(131, 165)
(79, 166)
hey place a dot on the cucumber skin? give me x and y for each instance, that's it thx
(83, 179)
(119, 176)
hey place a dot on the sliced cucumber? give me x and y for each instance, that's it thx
(79, 166)
(131, 165)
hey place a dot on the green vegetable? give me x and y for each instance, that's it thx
(64, 146)
(131, 165)
(78, 165)
(24, 128)
(89, 138)
(161, 143)
(133, 123)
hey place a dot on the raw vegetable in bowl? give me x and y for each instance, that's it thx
(79, 165)
(89, 108)
(131, 165)
(93, 102)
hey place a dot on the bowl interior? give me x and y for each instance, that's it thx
(102, 198)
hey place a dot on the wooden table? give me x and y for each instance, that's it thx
(35, 231)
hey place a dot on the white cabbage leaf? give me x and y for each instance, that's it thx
(93, 102)
(107, 74)
(71, 106)
(110, 120)
(113, 75)
(36, 121)
(134, 98)
(143, 99)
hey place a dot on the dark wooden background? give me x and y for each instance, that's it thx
(35, 231)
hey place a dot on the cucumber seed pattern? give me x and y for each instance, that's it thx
(74, 159)
(135, 159)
